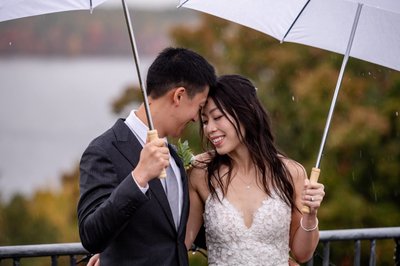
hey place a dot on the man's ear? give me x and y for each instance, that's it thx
(179, 92)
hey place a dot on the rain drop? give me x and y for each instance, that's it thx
(369, 73)
(397, 113)
(293, 98)
(10, 43)
(374, 191)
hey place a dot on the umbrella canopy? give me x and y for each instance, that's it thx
(364, 29)
(13, 9)
(324, 24)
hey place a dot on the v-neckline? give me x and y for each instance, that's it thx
(238, 212)
(241, 214)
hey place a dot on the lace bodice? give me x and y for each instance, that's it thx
(230, 242)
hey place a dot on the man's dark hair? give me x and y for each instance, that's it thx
(179, 67)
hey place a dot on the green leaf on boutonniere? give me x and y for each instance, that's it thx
(185, 153)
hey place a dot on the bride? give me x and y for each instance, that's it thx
(246, 192)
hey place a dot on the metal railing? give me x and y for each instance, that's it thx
(357, 235)
(54, 251)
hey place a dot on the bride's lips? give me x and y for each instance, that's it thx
(217, 140)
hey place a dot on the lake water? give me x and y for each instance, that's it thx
(50, 109)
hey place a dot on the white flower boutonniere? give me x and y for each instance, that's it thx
(185, 153)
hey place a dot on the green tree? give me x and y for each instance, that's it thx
(47, 217)
(20, 225)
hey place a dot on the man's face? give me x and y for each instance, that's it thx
(187, 111)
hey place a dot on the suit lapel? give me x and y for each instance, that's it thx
(126, 143)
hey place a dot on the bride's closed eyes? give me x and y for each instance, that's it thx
(215, 118)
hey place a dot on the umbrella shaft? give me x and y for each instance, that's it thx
(136, 57)
(339, 82)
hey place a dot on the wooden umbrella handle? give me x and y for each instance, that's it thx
(313, 178)
(152, 135)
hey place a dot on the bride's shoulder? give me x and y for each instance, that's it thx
(296, 170)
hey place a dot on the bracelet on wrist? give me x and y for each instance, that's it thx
(309, 229)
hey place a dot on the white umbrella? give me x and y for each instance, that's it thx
(364, 29)
(325, 24)
(13, 9)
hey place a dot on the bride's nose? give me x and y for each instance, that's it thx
(210, 127)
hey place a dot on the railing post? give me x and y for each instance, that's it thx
(326, 258)
(372, 253)
(72, 260)
(54, 261)
(16, 262)
(357, 252)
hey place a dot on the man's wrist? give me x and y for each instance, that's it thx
(143, 186)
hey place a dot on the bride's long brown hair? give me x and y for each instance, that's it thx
(236, 96)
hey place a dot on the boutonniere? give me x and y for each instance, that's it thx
(185, 153)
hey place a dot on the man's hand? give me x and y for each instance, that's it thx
(154, 158)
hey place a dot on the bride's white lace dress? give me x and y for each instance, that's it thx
(231, 243)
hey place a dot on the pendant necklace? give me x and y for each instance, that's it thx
(247, 185)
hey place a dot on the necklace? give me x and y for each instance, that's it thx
(247, 184)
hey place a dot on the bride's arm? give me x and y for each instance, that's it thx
(195, 220)
(304, 233)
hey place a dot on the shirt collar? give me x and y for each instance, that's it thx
(138, 127)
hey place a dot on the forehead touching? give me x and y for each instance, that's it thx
(209, 108)
(200, 98)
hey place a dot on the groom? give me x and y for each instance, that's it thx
(126, 213)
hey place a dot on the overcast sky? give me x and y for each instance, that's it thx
(143, 3)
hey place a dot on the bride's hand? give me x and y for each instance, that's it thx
(312, 195)
(94, 260)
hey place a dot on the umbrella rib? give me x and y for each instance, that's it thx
(294, 21)
(179, 6)
(339, 81)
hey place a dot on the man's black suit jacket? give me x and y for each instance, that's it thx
(115, 217)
